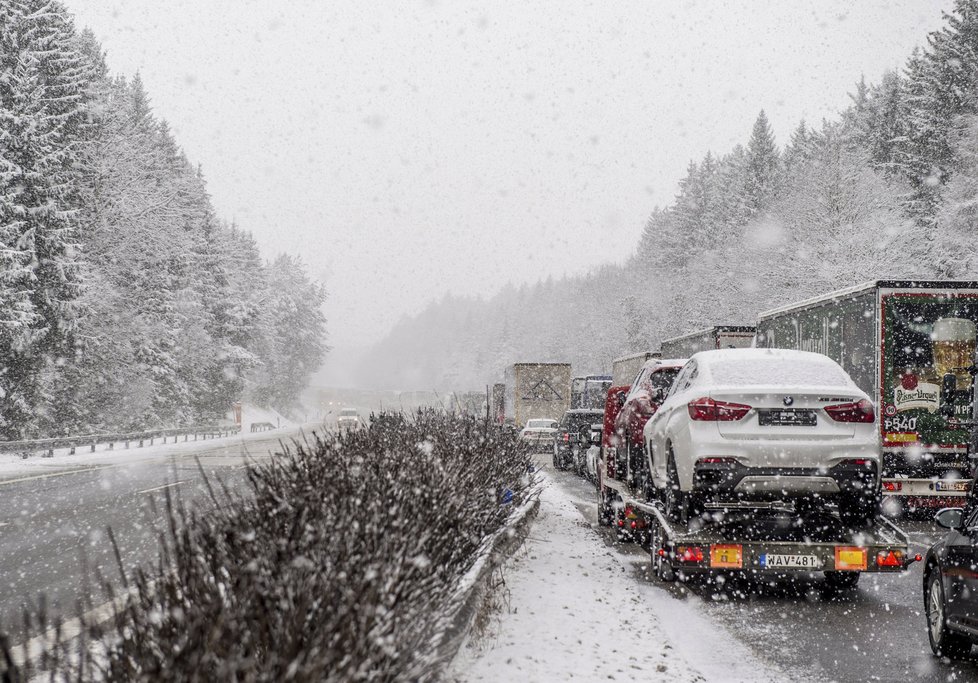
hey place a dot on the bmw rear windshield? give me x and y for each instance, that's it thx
(789, 372)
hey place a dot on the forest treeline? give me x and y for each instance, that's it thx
(125, 302)
(889, 189)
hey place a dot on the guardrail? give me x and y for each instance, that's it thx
(47, 446)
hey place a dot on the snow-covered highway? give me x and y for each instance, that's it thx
(786, 631)
(54, 514)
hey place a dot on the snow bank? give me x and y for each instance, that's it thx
(13, 466)
(575, 612)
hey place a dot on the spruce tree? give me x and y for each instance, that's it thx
(762, 167)
(43, 121)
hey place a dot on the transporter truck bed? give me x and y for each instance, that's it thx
(773, 540)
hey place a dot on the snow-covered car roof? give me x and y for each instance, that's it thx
(772, 367)
(665, 362)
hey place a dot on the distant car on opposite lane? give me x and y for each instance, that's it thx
(349, 418)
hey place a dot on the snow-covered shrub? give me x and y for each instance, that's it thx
(337, 565)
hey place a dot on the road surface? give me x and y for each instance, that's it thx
(877, 633)
(53, 525)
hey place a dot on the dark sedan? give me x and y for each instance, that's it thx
(951, 583)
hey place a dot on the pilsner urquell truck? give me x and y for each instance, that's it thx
(898, 340)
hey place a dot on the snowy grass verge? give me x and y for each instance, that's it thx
(345, 561)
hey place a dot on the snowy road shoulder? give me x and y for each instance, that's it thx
(573, 610)
(13, 468)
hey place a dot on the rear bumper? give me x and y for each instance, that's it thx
(735, 480)
(542, 443)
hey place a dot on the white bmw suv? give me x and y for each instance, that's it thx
(745, 425)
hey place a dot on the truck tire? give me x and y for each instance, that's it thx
(557, 464)
(841, 582)
(661, 567)
(674, 499)
(606, 513)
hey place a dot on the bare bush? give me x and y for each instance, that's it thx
(338, 566)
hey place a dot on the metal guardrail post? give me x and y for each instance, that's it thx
(46, 447)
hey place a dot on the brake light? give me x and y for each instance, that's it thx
(716, 461)
(566, 438)
(858, 462)
(889, 558)
(708, 410)
(892, 486)
(860, 411)
(689, 554)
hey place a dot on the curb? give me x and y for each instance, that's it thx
(473, 587)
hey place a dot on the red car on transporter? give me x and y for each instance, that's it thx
(627, 409)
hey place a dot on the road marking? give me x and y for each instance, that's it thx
(80, 470)
(32, 649)
(165, 486)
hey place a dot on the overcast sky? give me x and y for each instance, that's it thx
(408, 149)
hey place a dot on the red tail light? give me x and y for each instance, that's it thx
(892, 486)
(689, 554)
(566, 438)
(860, 411)
(708, 410)
(889, 558)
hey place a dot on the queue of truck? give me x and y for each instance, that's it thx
(795, 454)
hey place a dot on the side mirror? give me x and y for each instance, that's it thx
(950, 518)
(595, 435)
(659, 395)
(621, 398)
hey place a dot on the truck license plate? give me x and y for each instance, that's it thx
(773, 561)
(951, 486)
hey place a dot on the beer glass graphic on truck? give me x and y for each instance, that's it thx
(954, 348)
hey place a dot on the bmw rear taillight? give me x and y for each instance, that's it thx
(860, 411)
(708, 410)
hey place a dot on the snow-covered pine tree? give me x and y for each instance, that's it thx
(293, 317)
(761, 171)
(957, 220)
(942, 84)
(43, 99)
